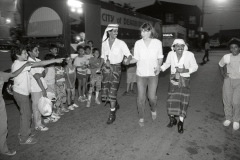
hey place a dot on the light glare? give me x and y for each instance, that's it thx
(73, 9)
(220, 1)
(74, 3)
(8, 20)
(79, 10)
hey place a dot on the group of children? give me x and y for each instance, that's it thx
(87, 64)
(55, 78)
(61, 79)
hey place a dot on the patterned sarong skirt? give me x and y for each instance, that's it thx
(110, 83)
(61, 96)
(178, 96)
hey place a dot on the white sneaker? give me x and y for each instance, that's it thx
(141, 122)
(74, 105)
(70, 108)
(50, 119)
(88, 104)
(97, 101)
(41, 128)
(226, 123)
(154, 115)
(54, 115)
(235, 125)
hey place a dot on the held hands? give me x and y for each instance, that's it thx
(126, 61)
(157, 70)
(225, 75)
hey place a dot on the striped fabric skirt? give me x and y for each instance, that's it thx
(110, 83)
(178, 96)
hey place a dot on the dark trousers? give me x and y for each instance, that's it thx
(3, 127)
(206, 55)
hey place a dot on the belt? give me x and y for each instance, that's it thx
(117, 64)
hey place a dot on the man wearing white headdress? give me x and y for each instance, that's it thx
(113, 52)
(183, 63)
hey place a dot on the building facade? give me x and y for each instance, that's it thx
(227, 35)
(187, 16)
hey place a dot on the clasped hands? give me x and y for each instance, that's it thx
(182, 70)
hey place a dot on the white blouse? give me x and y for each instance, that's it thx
(116, 53)
(147, 57)
(187, 59)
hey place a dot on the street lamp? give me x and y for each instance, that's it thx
(76, 6)
(201, 26)
(7, 21)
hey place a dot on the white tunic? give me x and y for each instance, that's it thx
(147, 57)
(187, 59)
(116, 53)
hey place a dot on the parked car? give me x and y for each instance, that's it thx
(224, 45)
(214, 43)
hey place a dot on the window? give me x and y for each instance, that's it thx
(169, 17)
(181, 23)
(192, 20)
(191, 33)
(45, 22)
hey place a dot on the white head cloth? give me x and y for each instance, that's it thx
(179, 41)
(109, 27)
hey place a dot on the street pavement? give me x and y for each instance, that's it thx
(83, 134)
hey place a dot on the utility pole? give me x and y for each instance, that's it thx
(201, 26)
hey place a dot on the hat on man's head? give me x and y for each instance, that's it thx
(179, 41)
(234, 41)
(109, 27)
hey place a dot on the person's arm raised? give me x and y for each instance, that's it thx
(17, 72)
(46, 62)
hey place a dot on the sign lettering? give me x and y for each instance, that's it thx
(124, 21)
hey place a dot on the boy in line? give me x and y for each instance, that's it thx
(96, 76)
(3, 114)
(231, 85)
(38, 85)
(51, 92)
(53, 49)
(131, 77)
(88, 55)
(80, 62)
(90, 44)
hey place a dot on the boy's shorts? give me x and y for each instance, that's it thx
(51, 89)
(96, 81)
(131, 77)
(81, 76)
